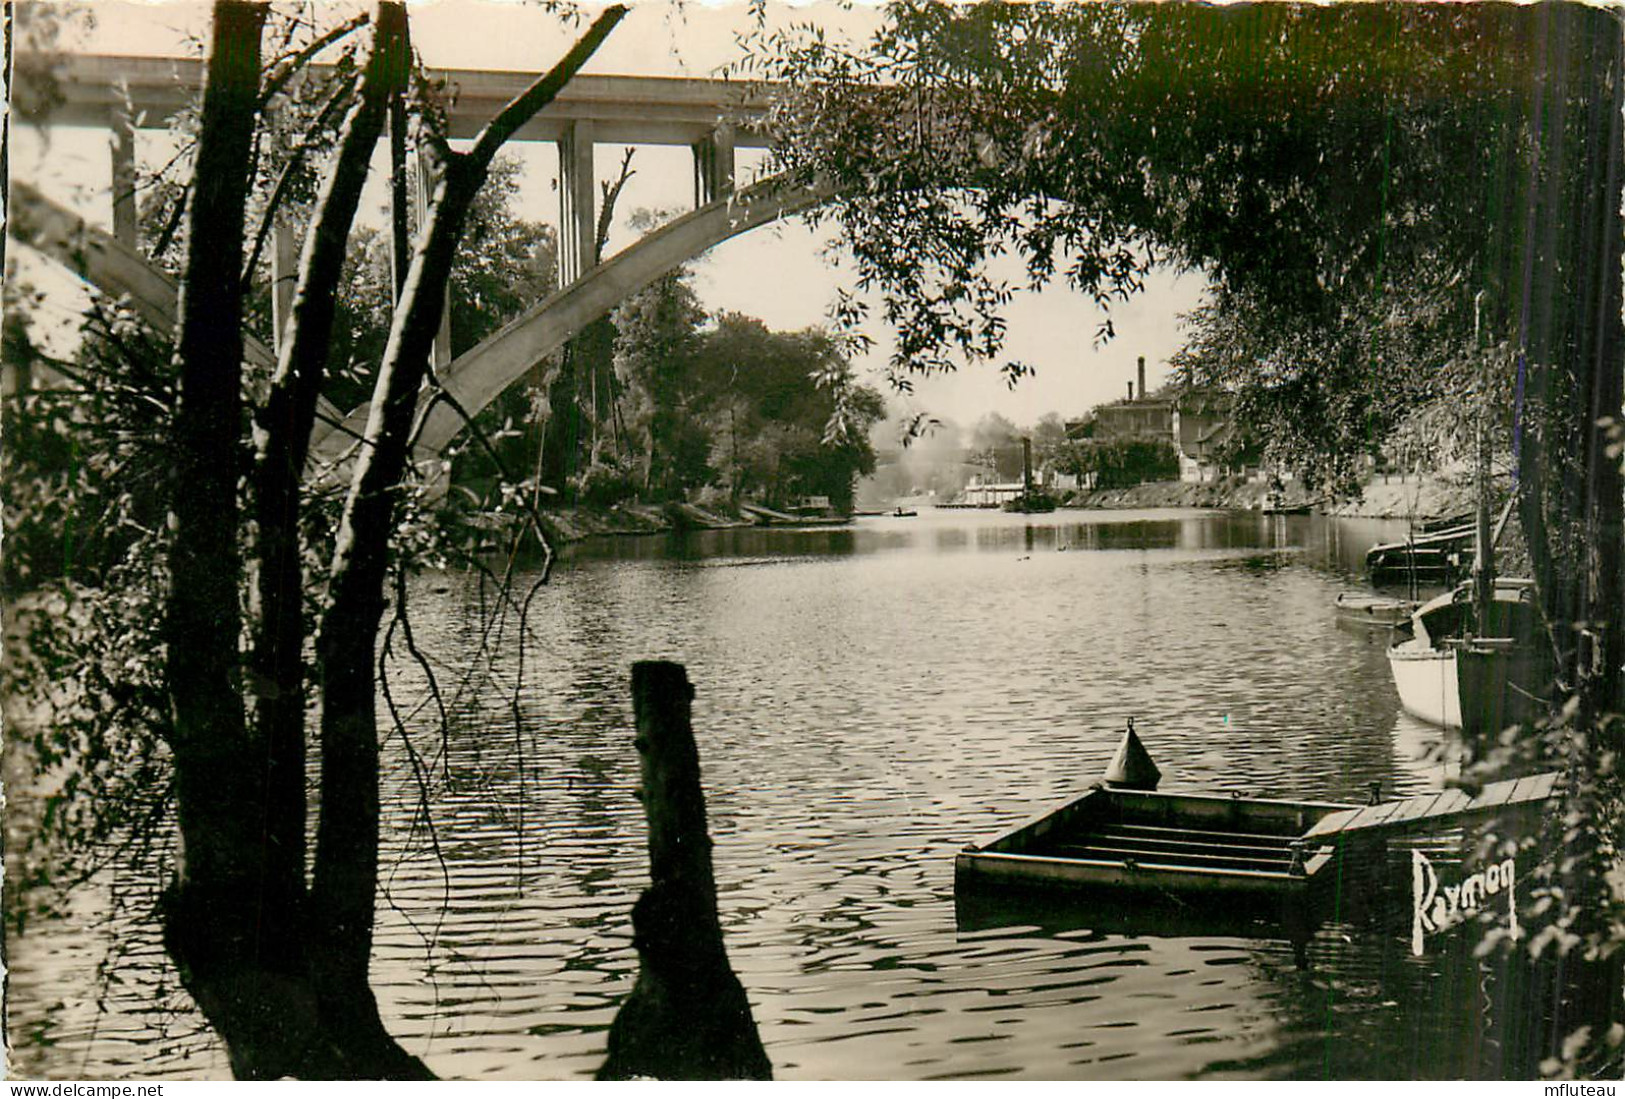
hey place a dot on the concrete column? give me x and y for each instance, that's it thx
(714, 165)
(123, 148)
(284, 279)
(578, 218)
(440, 356)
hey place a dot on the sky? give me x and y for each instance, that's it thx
(786, 274)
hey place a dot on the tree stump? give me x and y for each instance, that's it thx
(687, 1017)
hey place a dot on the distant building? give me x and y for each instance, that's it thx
(1209, 441)
(1142, 418)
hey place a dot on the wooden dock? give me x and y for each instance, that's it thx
(1448, 808)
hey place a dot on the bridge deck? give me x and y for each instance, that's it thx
(1450, 806)
(654, 110)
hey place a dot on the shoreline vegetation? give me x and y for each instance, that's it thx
(1419, 498)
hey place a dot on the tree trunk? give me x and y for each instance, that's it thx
(585, 358)
(287, 420)
(231, 916)
(344, 883)
(687, 1017)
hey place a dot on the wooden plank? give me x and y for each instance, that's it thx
(1145, 855)
(1318, 861)
(1450, 802)
(1492, 796)
(1533, 788)
(993, 867)
(1043, 823)
(1332, 824)
(1382, 813)
(1107, 835)
(1447, 806)
(1362, 817)
(1415, 808)
(1373, 816)
(1193, 836)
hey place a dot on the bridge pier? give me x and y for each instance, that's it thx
(713, 165)
(578, 218)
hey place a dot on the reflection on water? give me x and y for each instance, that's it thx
(869, 699)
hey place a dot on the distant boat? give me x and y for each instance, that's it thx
(1369, 609)
(904, 513)
(1503, 671)
(1275, 504)
(1032, 498)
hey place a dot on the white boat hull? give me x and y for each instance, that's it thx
(1426, 680)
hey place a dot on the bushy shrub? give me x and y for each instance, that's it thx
(604, 484)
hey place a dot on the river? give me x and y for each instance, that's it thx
(869, 698)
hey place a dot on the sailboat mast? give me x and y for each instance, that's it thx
(1484, 550)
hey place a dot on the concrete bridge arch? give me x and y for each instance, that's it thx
(712, 118)
(477, 377)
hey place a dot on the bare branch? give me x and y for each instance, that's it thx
(606, 208)
(538, 522)
(523, 107)
(285, 72)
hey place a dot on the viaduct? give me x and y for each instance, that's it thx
(712, 118)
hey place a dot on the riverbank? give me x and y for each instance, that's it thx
(576, 524)
(1412, 498)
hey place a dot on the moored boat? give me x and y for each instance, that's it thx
(1432, 559)
(1168, 843)
(1501, 647)
(1123, 834)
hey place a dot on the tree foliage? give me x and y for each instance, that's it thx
(772, 397)
(1381, 195)
(764, 415)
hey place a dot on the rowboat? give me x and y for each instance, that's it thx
(1182, 843)
(1249, 858)
(1172, 843)
(1377, 611)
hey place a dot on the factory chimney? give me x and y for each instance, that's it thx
(1142, 377)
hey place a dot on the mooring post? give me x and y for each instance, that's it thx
(687, 1017)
